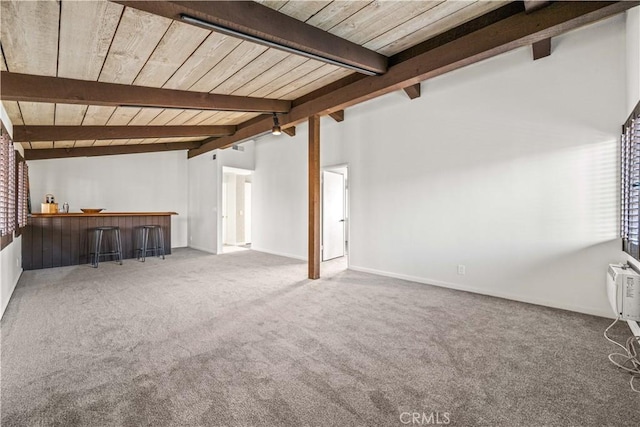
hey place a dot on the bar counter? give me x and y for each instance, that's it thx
(57, 240)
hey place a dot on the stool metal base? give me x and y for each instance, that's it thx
(158, 242)
(97, 245)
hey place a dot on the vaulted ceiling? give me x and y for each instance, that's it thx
(107, 74)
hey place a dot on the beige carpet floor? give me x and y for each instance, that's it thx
(243, 339)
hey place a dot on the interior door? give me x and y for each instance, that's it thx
(224, 211)
(333, 229)
(247, 212)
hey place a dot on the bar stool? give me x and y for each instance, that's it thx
(116, 244)
(157, 237)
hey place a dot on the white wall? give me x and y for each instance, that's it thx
(205, 194)
(633, 57)
(508, 167)
(11, 255)
(10, 270)
(280, 195)
(238, 159)
(124, 183)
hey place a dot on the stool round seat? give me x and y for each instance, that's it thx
(114, 249)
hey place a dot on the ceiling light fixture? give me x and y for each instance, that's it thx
(249, 37)
(276, 130)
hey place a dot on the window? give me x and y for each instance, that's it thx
(23, 190)
(14, 185)
(7, 185)
(630, 184)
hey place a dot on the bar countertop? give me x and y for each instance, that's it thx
(103, 213)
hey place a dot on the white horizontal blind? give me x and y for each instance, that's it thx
(630, 184)
(5, 144)
(11, 209)
(23, 186)
(8, 187)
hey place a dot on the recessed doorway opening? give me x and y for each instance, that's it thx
(335, 216)
(236, 209)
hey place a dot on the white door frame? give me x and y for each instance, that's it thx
(347, 233)
(221, 170)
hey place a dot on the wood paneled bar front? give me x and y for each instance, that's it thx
(56, 240)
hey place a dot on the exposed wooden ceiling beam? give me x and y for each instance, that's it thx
(291, 131)
(338, 116)
(331, 87)
(107, 150)
(541, 49)
(70, 133)
(26, 87)
(509, 33)
(497, 15)
(413, 91)
(261, 24)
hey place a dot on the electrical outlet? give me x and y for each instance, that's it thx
(462, 270)
(18, 262)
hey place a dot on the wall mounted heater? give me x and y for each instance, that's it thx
(623, 290)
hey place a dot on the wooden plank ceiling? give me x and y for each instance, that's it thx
(69, 65)
(107, 42)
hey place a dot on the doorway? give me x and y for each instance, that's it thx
(335, 213)
(236, 209)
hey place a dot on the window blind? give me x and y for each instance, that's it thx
(11, 203)
(23, 187)
(630, 184)
(14, 182)
(6, 151)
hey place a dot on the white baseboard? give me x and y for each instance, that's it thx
(5, 304)
(279, 253)
(482, 291)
